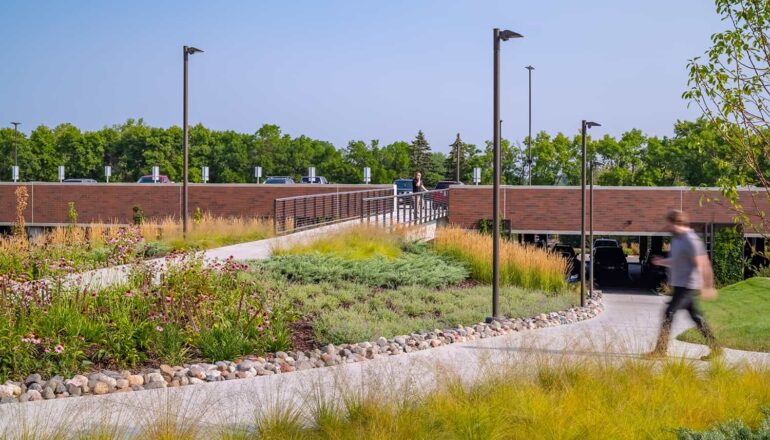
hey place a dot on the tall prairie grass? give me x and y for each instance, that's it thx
(208, 231)
(523, 266)
(86, 246)
(353, 243)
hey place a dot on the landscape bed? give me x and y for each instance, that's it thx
(321, 305)
(79, 248)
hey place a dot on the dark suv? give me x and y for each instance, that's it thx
(610, 265)
(442, 198)
(652, 275)
(568, 253)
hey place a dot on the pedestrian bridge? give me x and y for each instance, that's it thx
(380, 207)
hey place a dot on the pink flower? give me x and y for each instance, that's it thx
(59, 348)
(159, 328)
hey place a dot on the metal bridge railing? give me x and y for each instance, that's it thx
(406, 209)
(291, 214)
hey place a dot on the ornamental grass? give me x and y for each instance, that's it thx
(352, 243)
(522, 266)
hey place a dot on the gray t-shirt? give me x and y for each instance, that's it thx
(683, 271)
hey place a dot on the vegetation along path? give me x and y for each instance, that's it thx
(628, 327)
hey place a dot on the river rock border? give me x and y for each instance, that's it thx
(104, 382)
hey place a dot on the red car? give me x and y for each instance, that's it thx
(442, 198)
(149, 179)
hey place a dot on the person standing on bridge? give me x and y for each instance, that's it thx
(689, 271)
(417, 187)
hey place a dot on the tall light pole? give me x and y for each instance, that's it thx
(585, 126)
(497, 36)
(591, 224)
(529, 142)
(187, 52)
(16, 143)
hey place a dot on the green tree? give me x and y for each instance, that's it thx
(419, 153)
(731, 85)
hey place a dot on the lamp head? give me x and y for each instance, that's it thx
(530, 68)
(507, 35)
(191, 50)
(590, 124)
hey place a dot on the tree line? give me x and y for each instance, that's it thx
(696, 156)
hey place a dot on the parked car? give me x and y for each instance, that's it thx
(317, 179)
(78, 180)
(279, 180)
(605, 242)
(442, 198)
(652, 275)
(610, 265)
(149, 179)
(403, 186)
(568, 253)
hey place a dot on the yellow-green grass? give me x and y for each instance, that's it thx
(739, 316)
(354, 243)
(563, 400)
(523, 266)
(585, 401)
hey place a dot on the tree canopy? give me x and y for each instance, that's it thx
(696, 155)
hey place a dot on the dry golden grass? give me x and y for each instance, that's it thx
(211, 231)
(523, 266)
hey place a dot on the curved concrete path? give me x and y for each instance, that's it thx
(627, 327)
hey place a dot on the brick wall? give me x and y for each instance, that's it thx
(617, 210)
(535, 209)
(47, 203)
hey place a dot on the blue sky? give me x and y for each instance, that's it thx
(342, 70)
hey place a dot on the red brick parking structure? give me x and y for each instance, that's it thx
(100, 202)
(530, 209)
(617, 210)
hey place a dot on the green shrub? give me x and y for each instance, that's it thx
(732, 430)
(224, 342)
(169, 345)
(409, 269)
(728, 256)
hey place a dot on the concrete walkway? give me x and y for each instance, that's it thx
(628, 326)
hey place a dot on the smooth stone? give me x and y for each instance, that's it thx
(156, 385)
(78, 381)
(32, 378)
(74, 390)
(101, 388)
(135, 379)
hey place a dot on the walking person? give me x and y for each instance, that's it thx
(689, 271)
(418, 187)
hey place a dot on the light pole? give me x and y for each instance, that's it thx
(585, 126)
(497, 36)
(591, 224)
(16, 143)
(529, 142)
(187, 52)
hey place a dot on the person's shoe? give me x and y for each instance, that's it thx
(654, 355)
(715, 353)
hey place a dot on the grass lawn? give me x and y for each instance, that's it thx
(739, 316)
